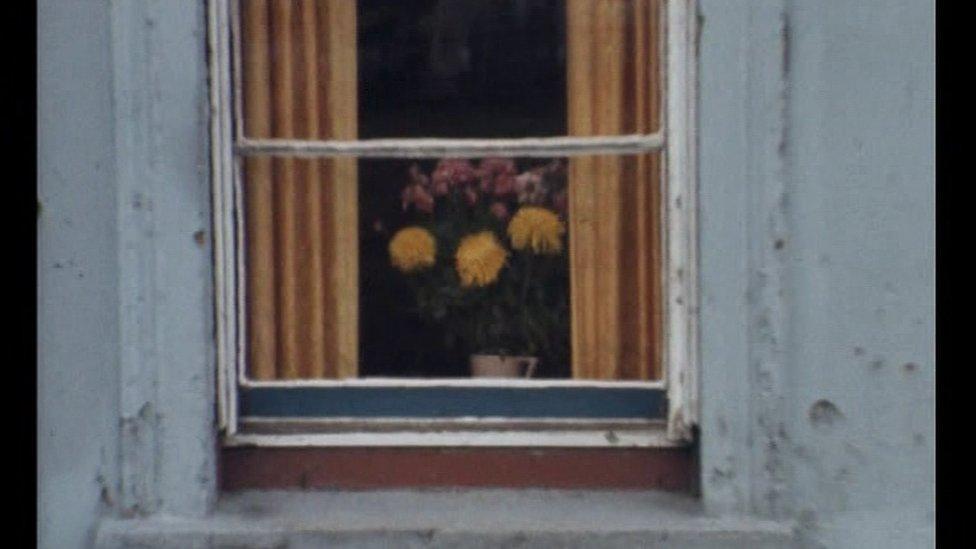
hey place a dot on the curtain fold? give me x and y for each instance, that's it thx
(299, 81)
(613, 87)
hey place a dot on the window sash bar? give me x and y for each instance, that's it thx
(540, 147)
(485, 382)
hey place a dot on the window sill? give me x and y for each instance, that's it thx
(474, 518)
(461, 432)
(356, 454)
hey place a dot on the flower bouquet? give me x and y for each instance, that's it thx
(486, 259)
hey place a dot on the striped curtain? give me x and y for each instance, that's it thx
(299, 81)
(614, 88)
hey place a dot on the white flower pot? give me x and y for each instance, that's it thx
(503, 366)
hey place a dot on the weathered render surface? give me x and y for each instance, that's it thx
(816, 239)
(126, 370)
(77, 295)
(861, 262)
(818, 266)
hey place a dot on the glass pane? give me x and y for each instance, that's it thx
(462, 258)
(452, 268)
(462, 68)
(346, 69)
(429, 315)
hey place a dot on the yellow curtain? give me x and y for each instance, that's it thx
(614, 228)
(299, 81)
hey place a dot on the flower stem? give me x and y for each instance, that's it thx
(524, 297)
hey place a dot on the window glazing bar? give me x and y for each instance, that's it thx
(543, 147)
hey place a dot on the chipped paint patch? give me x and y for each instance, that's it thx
(824, 414)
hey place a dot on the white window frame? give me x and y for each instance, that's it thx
(680, 273)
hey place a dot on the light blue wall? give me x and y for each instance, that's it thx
(862, 269)
(818, 267)
(125, 297)
(816, 243)
(77, 272)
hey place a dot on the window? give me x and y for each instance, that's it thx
(339, 123)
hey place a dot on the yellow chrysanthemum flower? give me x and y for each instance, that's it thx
(537, 229)
(413, 249)
(479, 259)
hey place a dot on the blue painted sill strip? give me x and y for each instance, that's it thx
(445, 402)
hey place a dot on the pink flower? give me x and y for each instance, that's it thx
(504, 184)
(417, 196)
(486, 183)
(497, 175)
(531, 187)
(526, 181)
(499, 210)
(496, 164)
(424, 202)
(451, 172)
(406, 197)
(556, 168)
(418, 177)
(440, 187)
(470, 196)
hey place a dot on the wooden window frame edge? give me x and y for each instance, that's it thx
(677, 142)
(681, 220)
